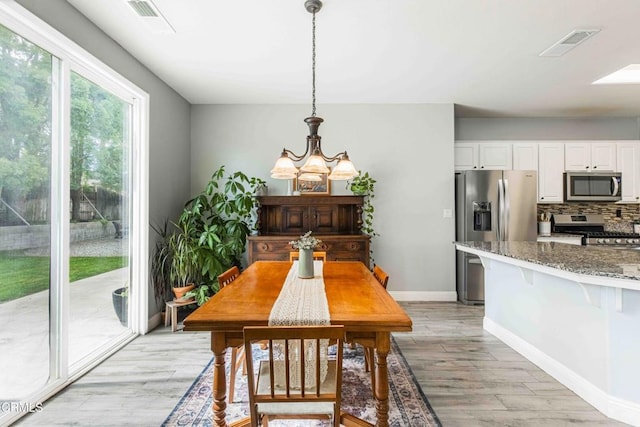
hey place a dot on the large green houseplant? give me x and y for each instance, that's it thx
(215, 225)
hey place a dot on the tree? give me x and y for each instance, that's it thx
(25, 117)
(98, 121)
(97, 139)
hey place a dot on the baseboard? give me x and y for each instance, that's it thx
(625, 411)
(612, 407)
(154, 321)
(448, 296)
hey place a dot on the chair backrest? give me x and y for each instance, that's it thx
(228, 276)
(317, 255)
(381, 276)
(266, 392)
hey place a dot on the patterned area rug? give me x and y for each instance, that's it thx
(408, 406)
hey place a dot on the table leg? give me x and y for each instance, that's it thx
(381, 387)
(218, 347)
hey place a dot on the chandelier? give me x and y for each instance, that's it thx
(316, 163)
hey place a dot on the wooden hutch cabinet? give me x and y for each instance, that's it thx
(335, 220)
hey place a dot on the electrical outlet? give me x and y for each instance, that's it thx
(618, 213)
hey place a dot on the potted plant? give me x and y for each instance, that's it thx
(305, 245)
(183, 269)
(216, 223)
(363, 185)
(120, 299)
(160, 263)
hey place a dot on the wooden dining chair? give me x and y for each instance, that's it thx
(381, 276)
(317, 255)
(238, 358)
(228, 276)
(269, 399)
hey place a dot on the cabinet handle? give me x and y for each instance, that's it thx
(541, 198)
(481, 167)
(587, 167)
(595, 167)
(475, 167)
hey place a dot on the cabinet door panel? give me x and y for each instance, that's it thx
(550, 169)
(495, 156)
(465, 156)
(603, 156)
(628, 163)
(324, 219)
(525, 156)
(295, 219)
(577, 156)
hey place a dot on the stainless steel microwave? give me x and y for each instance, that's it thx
(592, 186)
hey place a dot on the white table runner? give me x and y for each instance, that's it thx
(302, 302)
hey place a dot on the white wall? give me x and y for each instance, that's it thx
(407, 148)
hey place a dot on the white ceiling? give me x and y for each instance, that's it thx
(481, 55)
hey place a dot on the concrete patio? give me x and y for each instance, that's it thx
(92, 324)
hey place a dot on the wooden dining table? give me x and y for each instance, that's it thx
(356, 300)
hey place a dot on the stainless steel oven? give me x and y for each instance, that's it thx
(592, 186)
(592, 229)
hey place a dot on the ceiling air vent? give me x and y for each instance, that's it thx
(142, 8)
(568, 42)
(151, 16)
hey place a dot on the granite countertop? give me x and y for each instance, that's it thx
(589, 260)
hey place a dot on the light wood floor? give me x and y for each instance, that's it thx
(470, 378)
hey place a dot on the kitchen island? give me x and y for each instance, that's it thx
(572, 310)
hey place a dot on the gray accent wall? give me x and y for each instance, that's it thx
(169, 128)
(407, 148)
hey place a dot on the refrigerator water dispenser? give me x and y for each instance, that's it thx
(482, 216)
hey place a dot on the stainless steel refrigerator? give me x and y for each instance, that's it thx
(491, 205)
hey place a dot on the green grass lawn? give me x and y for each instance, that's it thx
(23, 275)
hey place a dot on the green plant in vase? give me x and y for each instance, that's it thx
(305, 246)
(363, 185)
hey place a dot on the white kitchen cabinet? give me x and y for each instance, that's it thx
(550, 172)
(482, 155)
(590, 156)
(465, 156)
(628, 161)
(525, 156)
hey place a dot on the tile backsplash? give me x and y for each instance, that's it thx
(628, 212)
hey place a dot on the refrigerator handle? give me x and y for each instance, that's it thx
(499, 232)
(507, 210)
